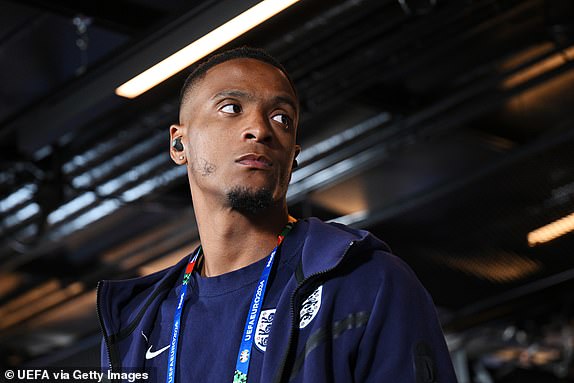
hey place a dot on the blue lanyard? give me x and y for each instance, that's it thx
(172, 359)
(244, 354)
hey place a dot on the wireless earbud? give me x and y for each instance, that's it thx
(177, 145)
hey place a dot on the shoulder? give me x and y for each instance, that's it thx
(360, 265)
(327, 245)
(382, 275)
(122, 301)
(129, 288)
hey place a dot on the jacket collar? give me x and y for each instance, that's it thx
(323, 246)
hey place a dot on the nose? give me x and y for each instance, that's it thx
(258, 129)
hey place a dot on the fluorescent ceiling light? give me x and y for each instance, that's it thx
(202, 47)
(551, 231)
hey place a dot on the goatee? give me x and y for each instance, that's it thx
(250, 201)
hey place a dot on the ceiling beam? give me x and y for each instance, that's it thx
(109, 15)
(93, 94)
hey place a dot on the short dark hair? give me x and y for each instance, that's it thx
(201, 68)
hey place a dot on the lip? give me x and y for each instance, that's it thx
(255, 161)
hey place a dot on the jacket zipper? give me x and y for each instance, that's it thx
(281, 370)
(106, 340)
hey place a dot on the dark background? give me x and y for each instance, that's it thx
(445, 127)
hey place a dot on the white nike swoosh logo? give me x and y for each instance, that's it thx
(152, 354)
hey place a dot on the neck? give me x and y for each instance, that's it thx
(231, 240)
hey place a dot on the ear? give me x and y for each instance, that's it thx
(297, 151)
(177, 131)
(295, 165)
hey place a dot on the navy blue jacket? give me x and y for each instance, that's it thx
(376, 323)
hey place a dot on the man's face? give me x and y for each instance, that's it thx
(238, 127)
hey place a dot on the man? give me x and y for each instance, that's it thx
(266, 298)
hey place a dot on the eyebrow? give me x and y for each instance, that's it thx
(250, 97)
(286, 100)
(233, 93)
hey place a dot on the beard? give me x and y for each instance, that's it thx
(249, 201)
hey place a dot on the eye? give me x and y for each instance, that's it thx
(282, 119)
(231, 109)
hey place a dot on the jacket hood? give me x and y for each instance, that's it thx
(332, 251)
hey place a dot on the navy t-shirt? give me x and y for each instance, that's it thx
(213, 319)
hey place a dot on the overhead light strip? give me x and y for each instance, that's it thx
(551, 231)
(202, 47)
(47, 301)
(539, 68)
